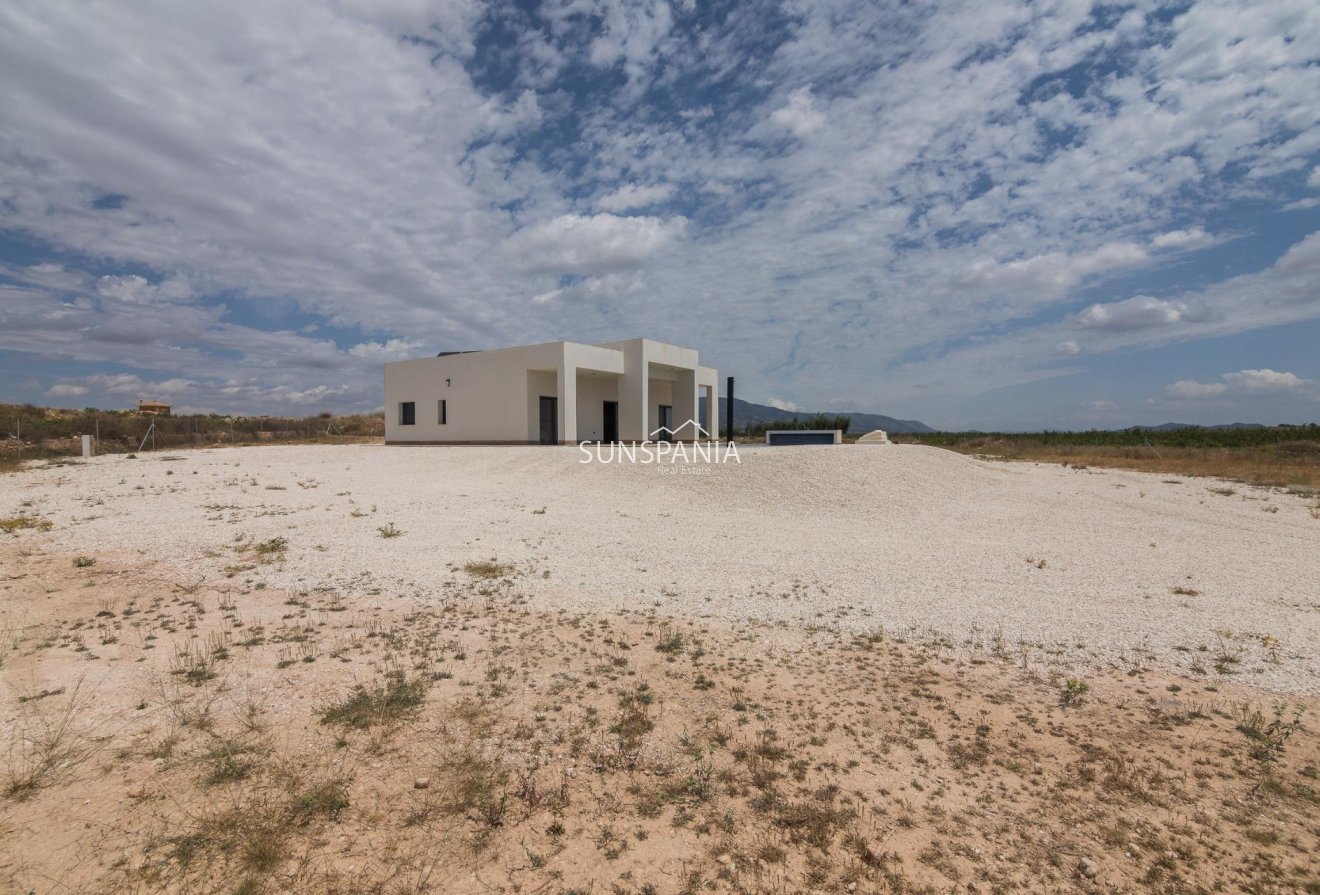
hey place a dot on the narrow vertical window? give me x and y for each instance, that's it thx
(444, 412)
(407, 413)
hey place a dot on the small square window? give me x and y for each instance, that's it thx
(407, 413)
(444, 412)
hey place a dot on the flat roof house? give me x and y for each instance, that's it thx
(553, 393)
(156, 408)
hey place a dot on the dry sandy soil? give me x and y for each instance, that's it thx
(1097, 566)
(565, 680)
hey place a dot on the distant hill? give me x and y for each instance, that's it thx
(1174, 427)
(745, 412)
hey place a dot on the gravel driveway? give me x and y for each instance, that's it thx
(1087, 565)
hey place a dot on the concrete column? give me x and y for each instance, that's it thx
(634, 395)
(713, 411)
(685, 404)
(566, 389)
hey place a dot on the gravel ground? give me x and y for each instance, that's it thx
(1080, 564)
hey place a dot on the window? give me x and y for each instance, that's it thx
(407, 413)
(444, 412)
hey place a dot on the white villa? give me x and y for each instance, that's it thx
(553, 393)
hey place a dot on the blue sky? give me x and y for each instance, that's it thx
(977, 214)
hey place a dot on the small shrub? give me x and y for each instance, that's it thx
(478, 787)
(271, 548)
(1267, 738)
(394, 698)
(634, 722)
(226, 768)
(487, 569)
(389, 531)
(327, 798)
(19, 523)
(812, 822)
(83, 562)
(670, 642)
(1073, 692)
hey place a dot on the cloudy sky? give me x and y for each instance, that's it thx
(972, 213)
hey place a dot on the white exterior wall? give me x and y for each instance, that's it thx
(490, 394)
(661, 392)
(493, 396)
(592, 393)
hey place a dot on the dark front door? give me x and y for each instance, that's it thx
(611, 421)
(549, 420)
(666, 430)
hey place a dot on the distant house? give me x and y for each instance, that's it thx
(154, 408)
(554, 393)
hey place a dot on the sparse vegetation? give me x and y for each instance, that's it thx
(1278, 456)
(846, 761)
(396, 697)
(44, 746)
(488, 569)
(351, 735)
(1268, 737)
(20, 523)
(1073, 692)
(272, 548)
(323, 799)
(53, 433)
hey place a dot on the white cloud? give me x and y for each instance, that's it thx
(780, 404)
(1265, 380)
(131, 384)
(391, 350)
(1068, 348)
(1053, 273)
(588, 244)
(1314, 180)
(799, 114)
(66, 390)
(1193, 238)
(1188, 388)
(506, 120)
(1101, 406)
(631, 34)
(1137, 313)
(607, 288)
(631, 196)
(1243, 383)
(134, 289)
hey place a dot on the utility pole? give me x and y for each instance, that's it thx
(728, 412)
